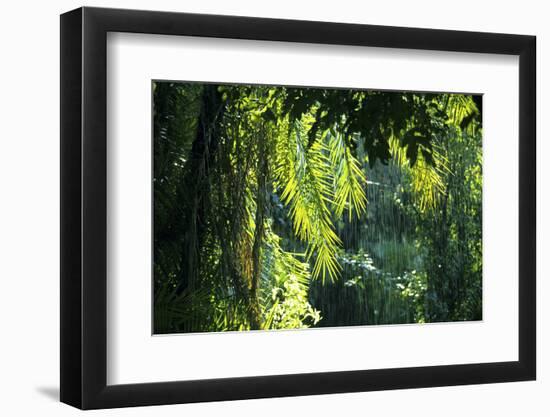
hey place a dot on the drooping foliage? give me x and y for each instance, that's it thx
(274, 207)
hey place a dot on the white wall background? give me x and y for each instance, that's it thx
(29, 208)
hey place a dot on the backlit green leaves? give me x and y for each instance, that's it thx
(426, 173)
(349, 179)
(304, 181)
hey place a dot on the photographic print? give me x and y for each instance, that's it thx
(279, 207)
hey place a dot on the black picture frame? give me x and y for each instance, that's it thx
(84, 207)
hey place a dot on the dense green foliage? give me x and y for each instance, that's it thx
(283, 208)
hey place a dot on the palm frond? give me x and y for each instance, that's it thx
(461, 110)
(427, 182)
(304, 181)
(349, 178)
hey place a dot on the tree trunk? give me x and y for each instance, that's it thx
(196, 181)
(262, 173)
